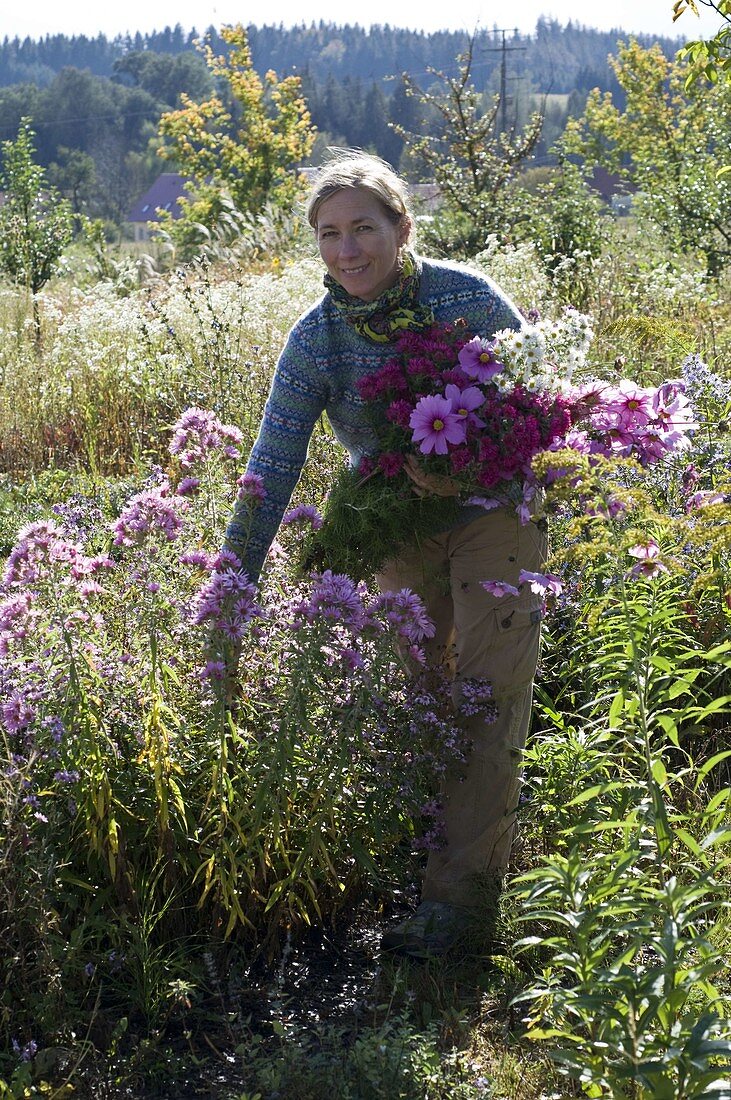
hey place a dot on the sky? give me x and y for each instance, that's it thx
(36, 18)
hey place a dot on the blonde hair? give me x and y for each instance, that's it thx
(351, 168)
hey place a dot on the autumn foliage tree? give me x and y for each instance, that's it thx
(245, 154)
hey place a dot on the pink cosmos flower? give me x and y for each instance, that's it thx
(649, 564)
(464, 402)
(673, 409)
(436, 425)
(488, 503)
(477, 360)
(703, 498)
(631, 403)
(498, 589)
(540, 583)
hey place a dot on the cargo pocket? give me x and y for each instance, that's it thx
(518, 637)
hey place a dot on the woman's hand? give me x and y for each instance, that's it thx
(440, 485)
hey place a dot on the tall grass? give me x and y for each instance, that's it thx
(163, 824)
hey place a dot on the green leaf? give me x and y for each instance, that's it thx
(594, 792)
(716, 837)
(710, 764)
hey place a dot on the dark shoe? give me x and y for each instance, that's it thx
(432, 930)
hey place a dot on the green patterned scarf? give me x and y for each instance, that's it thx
(398, 308)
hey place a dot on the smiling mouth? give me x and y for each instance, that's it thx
(354, 270)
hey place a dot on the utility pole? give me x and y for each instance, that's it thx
(504, 49)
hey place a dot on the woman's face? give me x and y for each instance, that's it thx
(359, 243)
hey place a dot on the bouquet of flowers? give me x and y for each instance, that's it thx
(475, 413)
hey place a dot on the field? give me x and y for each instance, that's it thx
(194, 878)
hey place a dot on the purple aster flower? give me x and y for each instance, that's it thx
(17, 712)
(201, 558)
(28, 1052)
(227, 601)
(303, 513)
(352, 659)
(435, 425)
(213, 670)
(226, 559)
(406, 612)
(146, 512)
(188, 486)
(198, 433)
(251, 488)
(335, 598)
(66, 776)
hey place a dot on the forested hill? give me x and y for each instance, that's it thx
(95, 103)
(557, 58)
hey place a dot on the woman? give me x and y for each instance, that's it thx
(376, 287)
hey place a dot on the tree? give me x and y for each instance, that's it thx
(712, 57)
(671, 140)
(35, 223)
(164, 76)
(74, 175)
(248, 152)
(471, 161)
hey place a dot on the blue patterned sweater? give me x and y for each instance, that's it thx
(317, 372)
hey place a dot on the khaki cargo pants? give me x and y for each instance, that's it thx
(486, 638)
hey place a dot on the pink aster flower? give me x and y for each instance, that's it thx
(390, 463)
(498, 589)
(477, 360)
(435, 425)
(540, 583)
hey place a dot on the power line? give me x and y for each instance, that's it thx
(504, 50)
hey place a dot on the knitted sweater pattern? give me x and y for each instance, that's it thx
(317, 373)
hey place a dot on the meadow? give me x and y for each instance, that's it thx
(195, 867)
